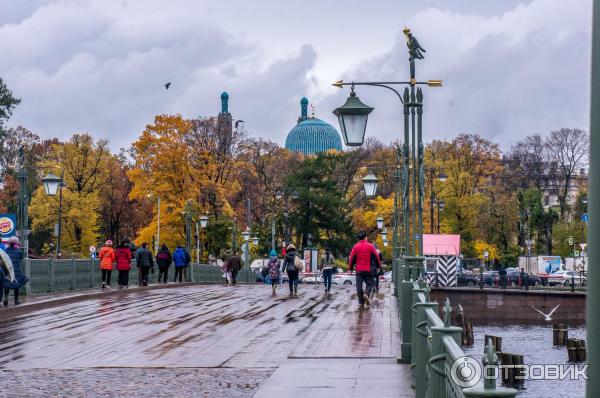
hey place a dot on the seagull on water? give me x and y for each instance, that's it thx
(547, 317)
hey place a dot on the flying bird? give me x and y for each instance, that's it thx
(547, 317)
(237, 122)
(168, 85)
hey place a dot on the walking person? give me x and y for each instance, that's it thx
(234, 265)
(360, 258)
(15, 255)
(181, 258)
(123, 259)
(107, 258)
(502, 275)
(524, 279)
(378, 270)
(292, 266)
(163, 261)
(274, 271)
(145, 263)
(326, 266)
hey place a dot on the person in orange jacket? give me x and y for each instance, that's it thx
(107, 258)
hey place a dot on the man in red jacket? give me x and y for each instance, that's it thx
(362, 253)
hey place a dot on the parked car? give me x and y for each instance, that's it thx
(387, 276)
(466, 279)
(566, 278)
(513, 278)
(344, 279)
(488, 277)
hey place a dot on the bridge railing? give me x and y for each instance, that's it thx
(49, 275)
(432, 346)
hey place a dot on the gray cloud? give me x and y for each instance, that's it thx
(510, 68)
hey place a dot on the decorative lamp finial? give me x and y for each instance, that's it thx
(312, 107)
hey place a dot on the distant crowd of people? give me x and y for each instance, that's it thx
(365, 258)
(121, 259)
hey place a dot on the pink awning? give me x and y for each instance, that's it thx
(441, 245)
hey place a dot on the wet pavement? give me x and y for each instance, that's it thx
(196, 340)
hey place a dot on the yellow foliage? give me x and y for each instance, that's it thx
(480, 247)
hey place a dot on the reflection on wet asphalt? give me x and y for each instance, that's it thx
(198, 326)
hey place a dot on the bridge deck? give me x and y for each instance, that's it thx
(242, 327)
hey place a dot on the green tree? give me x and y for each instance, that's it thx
(7, 104)
(320, 208)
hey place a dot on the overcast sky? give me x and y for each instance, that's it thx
(510, 67)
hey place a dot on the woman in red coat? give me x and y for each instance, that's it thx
(107, 258)
(123, 258)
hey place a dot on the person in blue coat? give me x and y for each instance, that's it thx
(182, 259)
(16, 256)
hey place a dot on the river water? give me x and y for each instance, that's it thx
(534, 342)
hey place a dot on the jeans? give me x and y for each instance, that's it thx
(293, 280)
(106, 276)
(234, 274)
(123, 278)
(367, 278)
(376, 282)
(327, 277)
(178, 274)
(6, 291)
(144, 271)
(163, 273)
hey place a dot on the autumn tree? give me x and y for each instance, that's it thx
(568, 152)
(83, 164)
(7, 103)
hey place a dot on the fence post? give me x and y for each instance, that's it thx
(413, 335)
(51, 265)
(406, 288)
(27, 265)
(91, 263)
(420, 345)
(437, 373)
(73, 263)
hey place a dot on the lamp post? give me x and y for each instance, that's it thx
(52, 184)
(353, 116)
(157, 243)
(246, 236)
(440, 206)
(380, 222)
(203, 221)
(442, 177)
(22, 214)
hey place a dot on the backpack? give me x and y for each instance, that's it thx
(162, 256)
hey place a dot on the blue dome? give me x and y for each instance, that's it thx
(312, 136)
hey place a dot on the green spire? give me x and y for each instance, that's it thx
(224, 102)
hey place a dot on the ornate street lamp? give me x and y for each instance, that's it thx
(370, 185)
(384, 234)
(246, 235)
(385, 242)
(379, 220)
(442, 176)
(353, 117)
(52, 184)
(203, 221)
(255, 240)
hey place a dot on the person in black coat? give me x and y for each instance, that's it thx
(16, 256)
(163, 260)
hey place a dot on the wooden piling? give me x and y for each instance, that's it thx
(496, 342)
(512, 374)
(576, 350)
(560, 334)
(469, 340)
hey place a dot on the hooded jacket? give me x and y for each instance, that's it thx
(107, 258)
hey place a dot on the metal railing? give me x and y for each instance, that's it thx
(47, 276)
(432, 346)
